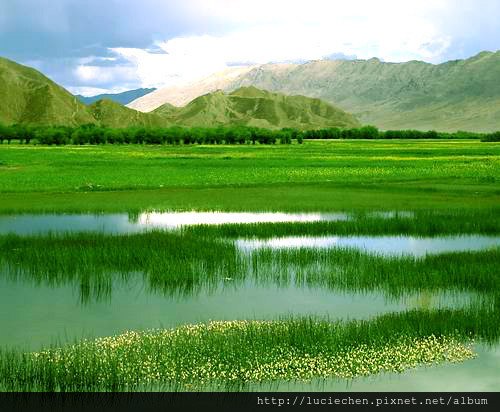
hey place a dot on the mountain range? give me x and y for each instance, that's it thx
(29, 97)
(456, 95)
(122, 98)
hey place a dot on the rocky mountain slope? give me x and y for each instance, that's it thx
(182, 95)
(461, 94)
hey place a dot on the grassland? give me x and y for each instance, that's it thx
(314, 176)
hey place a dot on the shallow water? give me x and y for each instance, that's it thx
(124, 223)
(35, 312)
(383, 245)
(38, 314)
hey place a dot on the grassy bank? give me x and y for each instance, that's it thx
(281, 197)
(318, 175)
(235, 353)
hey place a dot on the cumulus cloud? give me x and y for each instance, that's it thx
(103, 75)
(154, 43)
(294, 31)
(160, 69)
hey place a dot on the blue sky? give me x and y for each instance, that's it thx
(113, 45)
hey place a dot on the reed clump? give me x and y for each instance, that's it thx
(242, 352)
(172, 263)
(415, 223)
(183, 264)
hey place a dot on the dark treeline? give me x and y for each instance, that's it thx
(91, 134)
(491, 137)
(371, 132)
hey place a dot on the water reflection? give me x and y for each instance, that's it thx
(133, 223)
(383, 245)
(68, 288)
(211, 267)
(50, 295)
(37, 314)
(178, 219)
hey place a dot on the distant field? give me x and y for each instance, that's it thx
(318, 175)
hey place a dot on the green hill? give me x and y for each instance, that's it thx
(250, 106)
(461, 94)
(111, 114)
(28, 97)
(166, 110)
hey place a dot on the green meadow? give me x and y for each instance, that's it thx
(314, 176)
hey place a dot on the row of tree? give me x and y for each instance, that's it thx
(371, 132)
(91, 134)
(491, 137)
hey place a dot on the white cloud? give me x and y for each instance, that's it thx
(93, 91)
(264, 31)
(94, 76)
(199, 37)
(177, 65)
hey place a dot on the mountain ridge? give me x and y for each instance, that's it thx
(458, 94)
(249, 106)
(186, 93)
(29, 97)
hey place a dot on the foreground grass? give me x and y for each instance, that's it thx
(177, 263)
(235, 353)
(315, 176)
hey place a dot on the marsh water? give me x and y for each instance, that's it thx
(382, 245)
(132, 223)
(40, 312)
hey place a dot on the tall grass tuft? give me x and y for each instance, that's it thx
(174, 264)
(416, 223)
(240, 352)
(350, 269)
